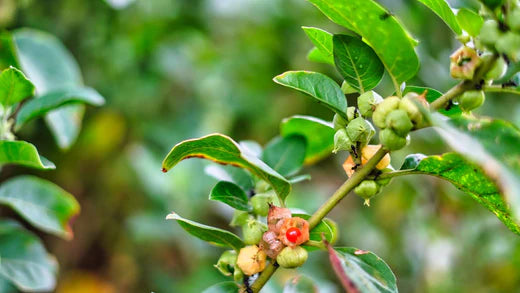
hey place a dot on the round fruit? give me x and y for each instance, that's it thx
(342, 141)
(513, 19)
(385, 107)
(226, 262)
(385, 181)
(359, 130)
(293, 234)
(260, 203)
(253, 231)
(399, 122)
(464, 62)
(276, 217)
(509, 44)
(367, 103)
(498, 70)
(492, 4)
(339, 122)
(251, 260)
(471, 100)
(367, 189)
(291, 237)
(391, 140)
(489, 33)
(407, 104)
(292, 257)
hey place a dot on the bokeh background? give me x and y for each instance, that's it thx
(177, 69)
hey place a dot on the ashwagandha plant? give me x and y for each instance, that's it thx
(485, 164)
(39, 78)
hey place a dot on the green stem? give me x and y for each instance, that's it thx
(264, 277)
(500, 89)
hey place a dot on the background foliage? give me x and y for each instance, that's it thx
(176, 69)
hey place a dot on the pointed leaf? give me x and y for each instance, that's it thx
(210, 234)
(318, 86)
(285, 154)
(318, 133)
(315, 55)
(232, 174)
(23, 259)
(14, 87)
(230, 194)
(443, 10)
(22, 153)
(380, 30)
(470, 21)
(323, 42)
(55, 99)
(357, 63)
(222, 149)
(41, 203)
(7, 51)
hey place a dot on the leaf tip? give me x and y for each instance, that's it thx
(172, 216)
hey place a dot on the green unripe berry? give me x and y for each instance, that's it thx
(292, 257)
(341, 141)
(351, 113)
(399, 122)
(339, 122)
(386, 106)
(367, 189)
(489, 33)
(385, 181)
(253, 231)
(367, 103)
(509, 44)
(513, 19)
(471, 100)
(260, 203)
(360, 130)
(408, 105)
(498, 70)
(391, 140)
(226, 262)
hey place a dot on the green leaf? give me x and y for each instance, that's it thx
(366, 271)
(380, 30)
(55, 99)
(432, 95)
(318, 86)
(443, 10)
(470, 21)
(210, 234)
(315, 55)
(319, 135)
(357, 63)
(7, 51)
(285, 154)
(323, 42)
(40, 202)
(14, 87)
(50, 66)
(230, 194)
(22, 153)
(222, 149)
(493, 145)
(326, 227)
(300, 284)
(232, 174)
(224, 287)
(467, 177)
(23, 259)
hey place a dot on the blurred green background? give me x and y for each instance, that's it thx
(177, 69)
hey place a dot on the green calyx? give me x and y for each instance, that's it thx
(509, 44)
(385, 181)
(391, 140)
(489, 33)
(226, 263)
(408, 104)
(260, 203)
(341, 141)
(367, 189)
(513, 19)
(367, 103)
(352, 113)
(492, 4)
(292, 257)
(360, 131)
(498, 70)
(382, 109)
(339, 122)
(471, 100)
(399, 122)
(253, 231)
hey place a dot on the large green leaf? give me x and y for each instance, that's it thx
(230, 194)
(285, 154)
(323, 42)
(300, 284)
(470, 21)
(318, 86)
(443, 10)
(362, 270)
(432, 95)
(55, 99)
(493, 145)
(357, 63)
(326, 228)
(49, 65)
(380, 30)
(222, 149)
(224, 287)
(319, 135)
(233, 174)
(22, 153)
(210, 234)
(7, 51)
(467, 177)
(14, 87)
(23, 259)
(41, 203)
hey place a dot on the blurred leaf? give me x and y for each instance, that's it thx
(380, 30)
(300, 284)
(317, 85)
(285, 154)
(7, 51)
(22, 153)
(470, 21)
(210, 234)
(230, 194)
(50, 66)
(326, 227)
(443, 10)
(55, 99)
(357, 63)
(315, 55)
(432, 95)
(24, 260)
(299, 178)
(232, 174)
(251, 146)
(467, 177)
(222, 149)
(41, 203)
(493, 145)
(362, 270)
(14, 87)
(224, 287)
(319, 135)
(323, 42)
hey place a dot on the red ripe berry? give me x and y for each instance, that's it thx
(293, 234)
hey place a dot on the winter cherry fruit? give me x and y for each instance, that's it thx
(293, 234)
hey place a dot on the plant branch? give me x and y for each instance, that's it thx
(500, 89)
(264, 277)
